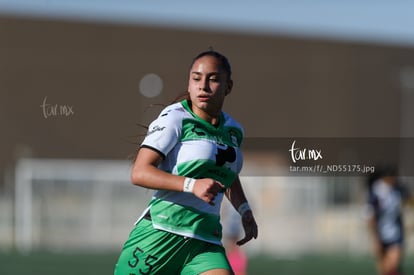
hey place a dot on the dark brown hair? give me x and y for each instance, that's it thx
(223, 60)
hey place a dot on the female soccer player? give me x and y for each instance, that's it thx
(191, 156)
(385, 201)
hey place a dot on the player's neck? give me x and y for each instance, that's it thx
(211, 117)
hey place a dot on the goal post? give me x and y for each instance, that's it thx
(55, 198)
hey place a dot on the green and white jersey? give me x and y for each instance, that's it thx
(194, 148)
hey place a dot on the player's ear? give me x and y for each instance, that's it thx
(229, 87)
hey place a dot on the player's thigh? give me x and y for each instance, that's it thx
(206, 258)
(151, 251)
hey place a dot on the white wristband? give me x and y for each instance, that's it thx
(243, 208)
(188, 185)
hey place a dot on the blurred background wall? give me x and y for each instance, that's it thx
(73, 94)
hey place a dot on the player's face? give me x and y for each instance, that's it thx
(208, 85)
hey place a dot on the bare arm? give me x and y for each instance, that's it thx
(236, 196)
(145, 173)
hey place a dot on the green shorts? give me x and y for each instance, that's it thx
(152, 251)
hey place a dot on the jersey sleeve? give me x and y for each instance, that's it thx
(164, 132)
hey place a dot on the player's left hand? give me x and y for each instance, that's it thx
(250, 227)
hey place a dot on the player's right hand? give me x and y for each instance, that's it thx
(207, 189)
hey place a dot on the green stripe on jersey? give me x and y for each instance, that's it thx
(197, 128)
(186, 220)
(207, 169)
(193, 129)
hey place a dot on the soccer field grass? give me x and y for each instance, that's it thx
(90, 264)
(332, 264)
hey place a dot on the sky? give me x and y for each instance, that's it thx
(371, 21)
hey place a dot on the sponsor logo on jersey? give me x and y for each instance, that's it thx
(156, 128)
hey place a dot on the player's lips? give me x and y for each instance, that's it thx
(203, 97)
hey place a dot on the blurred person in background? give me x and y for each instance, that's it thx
(386, 196)
(191, 156)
